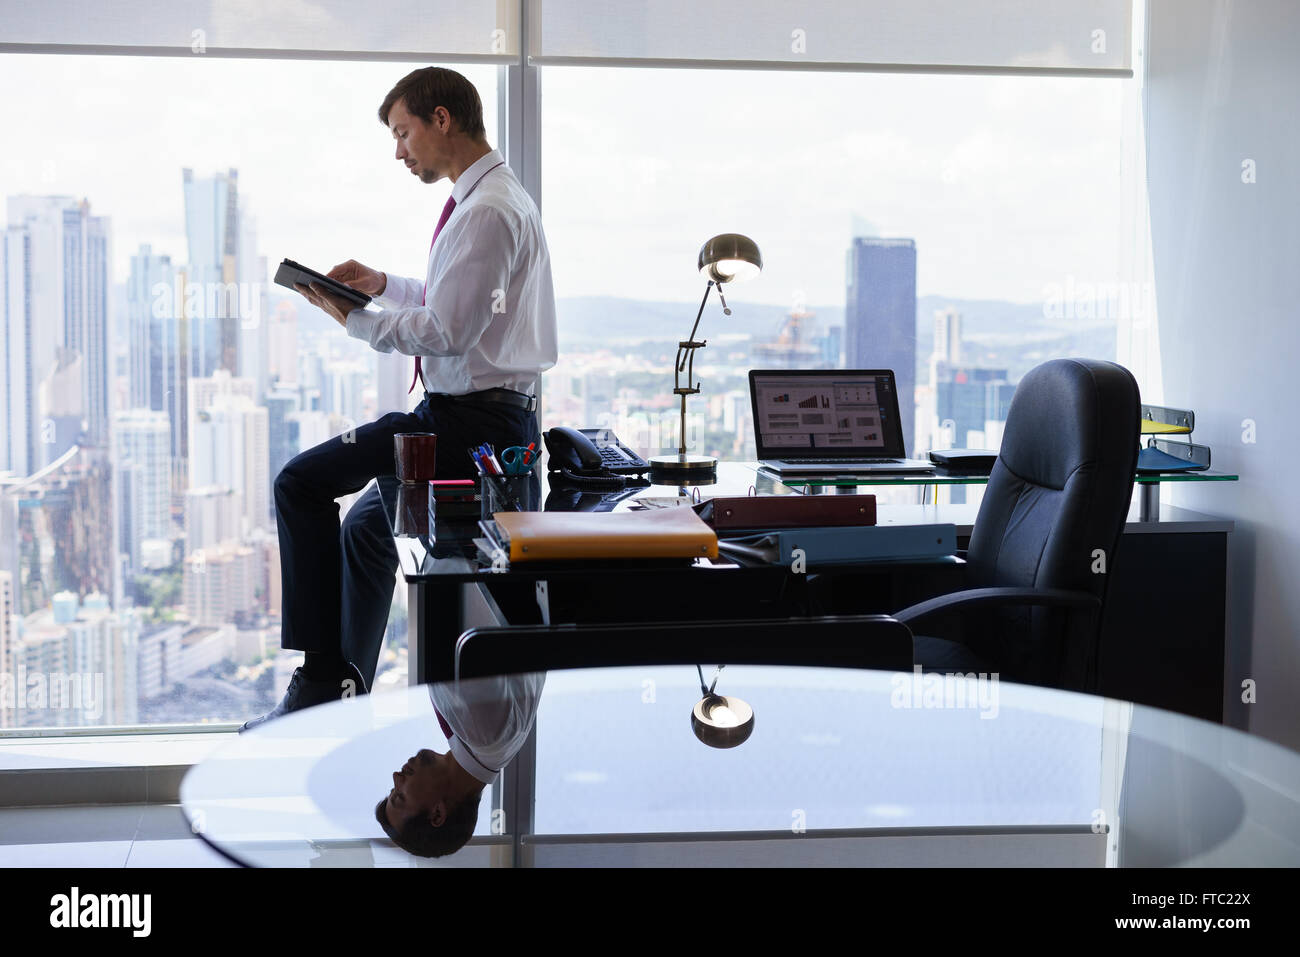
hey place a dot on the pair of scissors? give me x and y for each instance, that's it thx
(516, 460)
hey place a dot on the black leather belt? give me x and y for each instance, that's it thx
(500, 396)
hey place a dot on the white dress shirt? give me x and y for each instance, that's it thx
(489, 315)
(489, 718)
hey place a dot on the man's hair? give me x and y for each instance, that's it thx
(422, 839)
(425, 90)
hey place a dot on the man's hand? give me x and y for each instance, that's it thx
(360, 277)
(319, 296)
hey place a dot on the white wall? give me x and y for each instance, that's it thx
(1223, 87)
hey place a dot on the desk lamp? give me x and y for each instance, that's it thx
(720, 721)
(728, 257)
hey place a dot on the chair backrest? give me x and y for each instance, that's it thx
(1053, 511)
(847, 641)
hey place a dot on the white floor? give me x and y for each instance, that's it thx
(129, 835)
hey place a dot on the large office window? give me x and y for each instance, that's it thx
(958, 229)
(156, 380)
(942, 202)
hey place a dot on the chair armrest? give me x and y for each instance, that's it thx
(983, 597)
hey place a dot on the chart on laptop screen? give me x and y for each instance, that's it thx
(802, 412)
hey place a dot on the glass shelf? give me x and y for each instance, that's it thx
(939, 477)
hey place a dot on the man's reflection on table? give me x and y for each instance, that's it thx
(432, 809)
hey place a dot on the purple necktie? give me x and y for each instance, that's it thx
(442, 723)
(442, 221)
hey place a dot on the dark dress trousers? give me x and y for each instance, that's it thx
(337, 580)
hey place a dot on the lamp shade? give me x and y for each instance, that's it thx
(730, 257)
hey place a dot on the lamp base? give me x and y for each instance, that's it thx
(692, 466)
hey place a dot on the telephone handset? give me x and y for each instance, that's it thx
(591, 457)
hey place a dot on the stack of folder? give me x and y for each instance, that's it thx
(1163, 455)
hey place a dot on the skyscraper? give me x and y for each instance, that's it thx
(8, 639)
(213, 233)
(142, 454)
(947, 335)
(229, 447)
(282, 344)
(254, 341)
(26, 350)
(159, 372)
(55, 299)
(880, 316)
(281, 402)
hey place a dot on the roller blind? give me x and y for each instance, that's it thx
(445, 30)
(1003, 36)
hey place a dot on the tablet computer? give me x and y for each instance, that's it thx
(291, 272)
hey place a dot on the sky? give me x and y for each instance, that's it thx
(1007, 184)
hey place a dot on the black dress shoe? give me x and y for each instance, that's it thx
(306, 692)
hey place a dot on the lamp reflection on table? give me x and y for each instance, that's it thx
(718, 720)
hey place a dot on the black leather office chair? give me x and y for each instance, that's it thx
(1046, 534)
(830, 642)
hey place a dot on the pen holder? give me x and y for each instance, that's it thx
(509, 493)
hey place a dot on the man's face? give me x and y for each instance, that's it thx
(420, 145)
(419, 788)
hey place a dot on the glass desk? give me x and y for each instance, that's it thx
(453, 584)
(1148, 485)
(1177, 553)
(858, 768)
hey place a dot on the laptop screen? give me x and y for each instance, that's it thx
(849, 413)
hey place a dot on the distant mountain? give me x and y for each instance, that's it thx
(587, 319)
(1015, 336)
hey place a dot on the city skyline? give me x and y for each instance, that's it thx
(950, 162)
(150, 554)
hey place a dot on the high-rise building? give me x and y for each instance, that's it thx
(880, 316)
(159, 375)
(254, 331)
(150, 315)
(947, 335)
(213, 233)
(212, 516)
(342, 387)
(200, 394)
(309, 429)
(281, 402)
(282, 344)
(29, 350)
(142, 453)
(57, 355)
(967, 399)
(229, 447)
(221, 583)
(830, 346)
(393, 374)
(8, 644)
(158, 657)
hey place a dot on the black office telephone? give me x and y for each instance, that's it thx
(591, 457)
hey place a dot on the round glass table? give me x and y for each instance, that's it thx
(839, 767)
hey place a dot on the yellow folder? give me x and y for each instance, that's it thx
(652, 533)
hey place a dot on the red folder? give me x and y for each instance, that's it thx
(788, 511)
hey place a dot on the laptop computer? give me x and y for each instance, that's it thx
(829, 422)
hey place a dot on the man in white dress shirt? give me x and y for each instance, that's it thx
(480, 326)
(432, 808)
